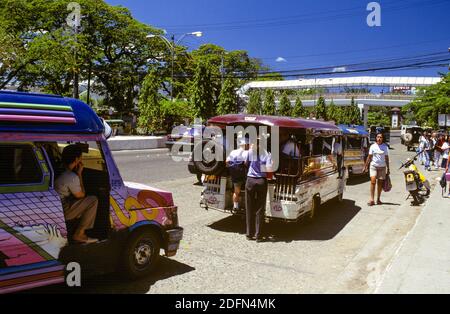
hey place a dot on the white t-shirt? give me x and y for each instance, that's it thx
(337, 148)
(445, 148)
(238, 155)
(379, 153)
(290, 148)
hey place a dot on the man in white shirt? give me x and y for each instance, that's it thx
(379, 167)
(70, 187)
(337, 150)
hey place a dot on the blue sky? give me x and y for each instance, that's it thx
(306, 33)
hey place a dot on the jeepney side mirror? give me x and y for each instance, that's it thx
(108, 130)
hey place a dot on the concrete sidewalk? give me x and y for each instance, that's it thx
(122, 142)
(422, 262)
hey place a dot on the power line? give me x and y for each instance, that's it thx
(306, 18)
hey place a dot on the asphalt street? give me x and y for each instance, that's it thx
(345, 248)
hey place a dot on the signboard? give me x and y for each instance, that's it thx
(442, 119)
(394, 120)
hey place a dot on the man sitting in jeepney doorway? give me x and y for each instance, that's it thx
(238, 171)
(70, 188)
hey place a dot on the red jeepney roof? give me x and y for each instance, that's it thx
(282, 122)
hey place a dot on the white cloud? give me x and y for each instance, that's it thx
(340, 69)
(281, 59)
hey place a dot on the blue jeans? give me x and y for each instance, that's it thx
(427, 156)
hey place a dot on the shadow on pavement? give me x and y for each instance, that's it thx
(360, 179)
(329, 220)
(114, 283)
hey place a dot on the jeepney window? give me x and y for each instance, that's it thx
(93, 159)
(354, 142)
(92, 154)
(18, 165)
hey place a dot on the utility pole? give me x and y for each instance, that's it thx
(173, 61)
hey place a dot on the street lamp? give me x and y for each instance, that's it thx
(172, 44)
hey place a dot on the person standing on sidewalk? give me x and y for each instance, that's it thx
(446, 171)
(378, 160)
(260, 169)
(427, 150)
(438, 151)
(445, 151)
(422, 142)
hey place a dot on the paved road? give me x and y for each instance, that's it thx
(346, 248)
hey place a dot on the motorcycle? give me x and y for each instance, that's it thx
(416, 183)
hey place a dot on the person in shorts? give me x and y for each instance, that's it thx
(378, 165)
(238, 171)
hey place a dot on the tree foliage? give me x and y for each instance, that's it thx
(285, 108)
(150, 118)
(269, 103)
(228, 98)
(334, 113)
(432, 101)
(320, 109)
(202, 96)
(299, 111)
(254, 104)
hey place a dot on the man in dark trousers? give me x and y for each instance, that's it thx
(260, 169)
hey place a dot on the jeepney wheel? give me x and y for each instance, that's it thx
(141, 254)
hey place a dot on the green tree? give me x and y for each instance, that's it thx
(299, 111)
(285, 108)
(320, 109)
(431, 101)
(228, 98)
(112, 48)
(150, 117)
(269, 103)
(334, 112)
(378, 116)
(202, 93)
(254, 104)
(354, 114)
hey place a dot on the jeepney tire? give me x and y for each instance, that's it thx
(143, 242)
(212, 168)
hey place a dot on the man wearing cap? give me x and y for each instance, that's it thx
(236, 166)
(260, 169)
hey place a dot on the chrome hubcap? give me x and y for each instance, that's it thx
(142, 254)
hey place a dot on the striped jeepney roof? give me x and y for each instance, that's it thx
(46, 113)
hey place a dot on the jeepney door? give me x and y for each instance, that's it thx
(32, 225)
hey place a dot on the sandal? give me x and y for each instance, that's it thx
(379, 202)
(371, 203)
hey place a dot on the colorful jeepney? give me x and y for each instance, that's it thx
(301, 183)
(133, 221)
(355, 145)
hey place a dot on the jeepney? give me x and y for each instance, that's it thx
(300, 184)
(355, 146)
(133, 221)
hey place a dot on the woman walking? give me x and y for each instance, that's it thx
(378, 161)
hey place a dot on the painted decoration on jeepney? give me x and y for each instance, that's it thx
(32, 228)
(140, 204)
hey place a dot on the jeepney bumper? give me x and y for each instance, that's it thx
(174, 237)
